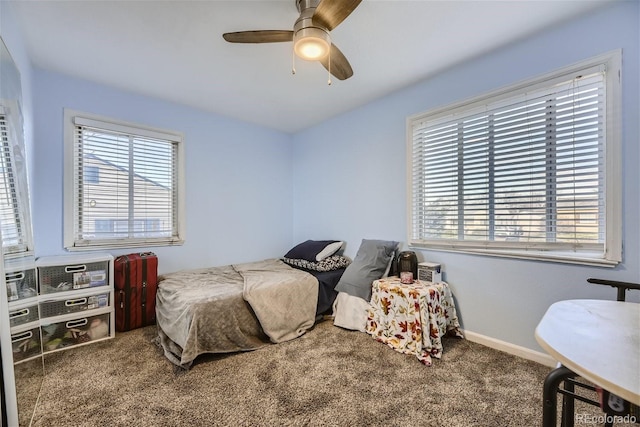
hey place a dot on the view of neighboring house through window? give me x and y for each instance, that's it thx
(125, 184)
(91, 174)
(529, 171)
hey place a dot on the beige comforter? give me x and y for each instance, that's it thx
(233, 308)
(284, 298)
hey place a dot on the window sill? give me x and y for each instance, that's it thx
(124, 245)
(581, 258)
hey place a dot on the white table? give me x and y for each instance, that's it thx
(598, 340)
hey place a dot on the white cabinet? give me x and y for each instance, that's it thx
(59, 302)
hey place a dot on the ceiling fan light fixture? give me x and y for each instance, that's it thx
(310, 35)
(311, 43)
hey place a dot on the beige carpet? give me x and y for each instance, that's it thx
(328, 377)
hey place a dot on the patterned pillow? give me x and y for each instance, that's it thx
(331, 263)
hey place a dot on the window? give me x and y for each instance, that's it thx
(14, 202)
(123, 184)
(531, 171)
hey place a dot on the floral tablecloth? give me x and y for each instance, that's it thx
(412, 318)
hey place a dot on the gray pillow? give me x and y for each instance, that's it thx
(369, 264)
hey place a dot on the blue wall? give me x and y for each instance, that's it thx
(355, 164)
(238, 176)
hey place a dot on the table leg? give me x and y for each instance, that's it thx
(568, 405)
(550, 394)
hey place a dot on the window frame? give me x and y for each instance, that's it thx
(20, 194)
(109, 124)
(611, 254)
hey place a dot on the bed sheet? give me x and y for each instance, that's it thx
(327, 281)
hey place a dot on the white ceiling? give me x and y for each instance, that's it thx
(174, 50)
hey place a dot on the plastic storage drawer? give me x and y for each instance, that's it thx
(75, 274)
(25, 342)
(19, 315)
(75, 331)
(21, 284)
(74, 303)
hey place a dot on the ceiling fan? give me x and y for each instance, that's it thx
(310, 35)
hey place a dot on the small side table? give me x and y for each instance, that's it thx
(412, 318)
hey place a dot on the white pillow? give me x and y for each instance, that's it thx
(350, 312)
(329, 250)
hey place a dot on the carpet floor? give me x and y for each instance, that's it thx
(328, 377)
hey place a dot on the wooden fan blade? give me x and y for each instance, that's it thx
(330, 13)
(259, 36)
(339, 67)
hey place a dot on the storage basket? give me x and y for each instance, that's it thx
(26, 344)
(20, 316)
(60, 278)
(21, 284)
(74, 331)
(73, 304)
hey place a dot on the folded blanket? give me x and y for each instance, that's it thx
(283, 298)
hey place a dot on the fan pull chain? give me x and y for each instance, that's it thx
(329, 69)
(293, 61)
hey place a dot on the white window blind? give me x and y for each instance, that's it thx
(13, 208)
(126, 185)
(518, 171)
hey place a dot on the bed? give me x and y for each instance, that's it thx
(246, 306)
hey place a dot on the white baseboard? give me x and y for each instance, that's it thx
(516, 350)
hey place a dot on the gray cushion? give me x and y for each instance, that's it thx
(369, 264)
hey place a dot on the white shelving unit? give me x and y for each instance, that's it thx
(75, 300)
(24, 319)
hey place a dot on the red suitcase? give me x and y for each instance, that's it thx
(136, 283)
